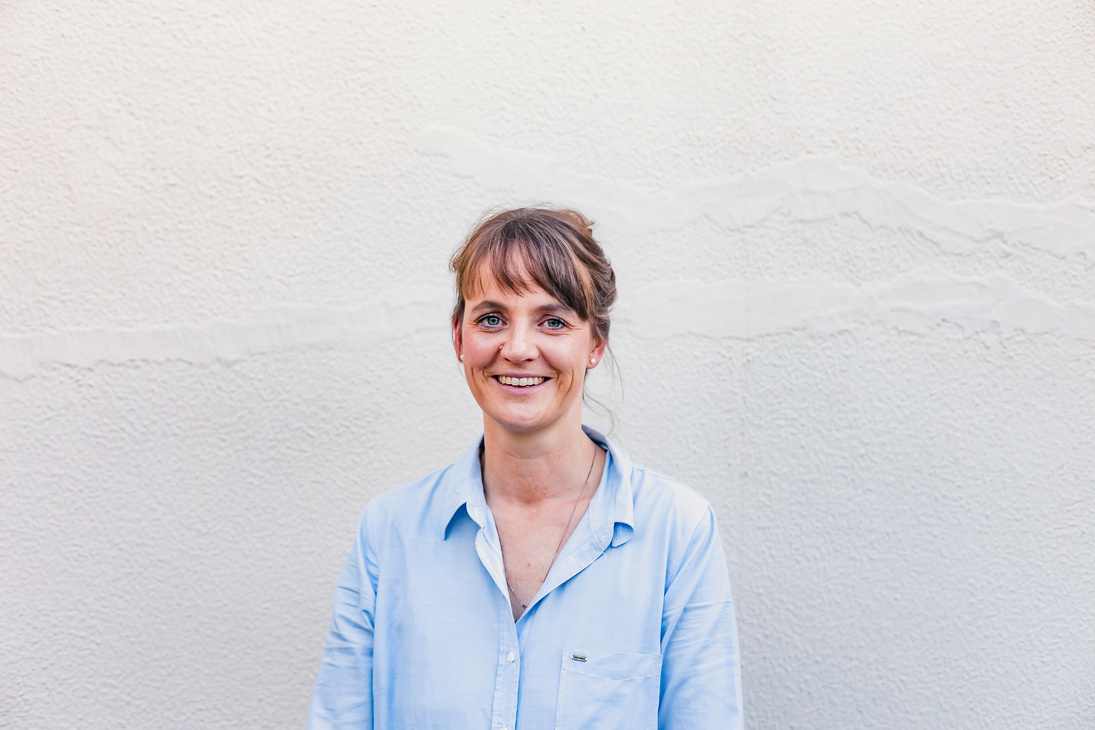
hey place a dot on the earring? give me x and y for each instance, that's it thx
(461, 358)
(592, 361)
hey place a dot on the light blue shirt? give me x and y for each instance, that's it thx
(633, 627)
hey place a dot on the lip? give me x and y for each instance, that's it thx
(519, 388)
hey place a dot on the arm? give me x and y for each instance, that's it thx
(343, 696)
(701, 670)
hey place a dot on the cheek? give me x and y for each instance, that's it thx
(576, 376)
(478, 352)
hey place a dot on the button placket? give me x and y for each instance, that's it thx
(508, 677)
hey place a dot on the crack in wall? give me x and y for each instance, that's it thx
(913, 302)
(811, 188)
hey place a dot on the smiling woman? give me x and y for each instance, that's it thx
(543, 580)
(525, 323)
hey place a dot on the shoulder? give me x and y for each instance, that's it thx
(675, 517)
(668, 500)
(409, 506)
(655, 498)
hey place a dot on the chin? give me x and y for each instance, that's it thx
(514, 425)
(524, 422)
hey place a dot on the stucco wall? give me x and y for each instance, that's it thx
(855, 245)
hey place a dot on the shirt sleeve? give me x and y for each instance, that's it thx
(343, 696)
(701, 669)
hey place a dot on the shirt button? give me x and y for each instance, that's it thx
(509, 658)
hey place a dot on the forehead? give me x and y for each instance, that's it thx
(487, 284)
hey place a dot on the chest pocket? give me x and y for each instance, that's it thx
(608, 690)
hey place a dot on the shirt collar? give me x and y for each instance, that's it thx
(611, 511)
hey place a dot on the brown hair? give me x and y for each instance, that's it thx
(555, 248)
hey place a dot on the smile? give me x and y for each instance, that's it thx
(519, 382)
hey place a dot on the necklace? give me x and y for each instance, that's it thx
(566, 529)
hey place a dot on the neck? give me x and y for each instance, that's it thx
(532, 468)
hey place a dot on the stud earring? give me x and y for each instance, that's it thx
(461, 358)
(592, 361)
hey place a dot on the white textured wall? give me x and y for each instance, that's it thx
(856, 251)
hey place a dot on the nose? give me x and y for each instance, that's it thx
(519, 346)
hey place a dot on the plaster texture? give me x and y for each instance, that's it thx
(855, 246)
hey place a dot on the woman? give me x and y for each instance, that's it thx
(543, 580)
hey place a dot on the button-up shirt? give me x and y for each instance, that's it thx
(632, 628)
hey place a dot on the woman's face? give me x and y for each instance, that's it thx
(525, 356)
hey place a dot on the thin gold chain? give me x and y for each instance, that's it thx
(562, 537)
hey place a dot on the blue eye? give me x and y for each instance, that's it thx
(554, 323)
(490, 320)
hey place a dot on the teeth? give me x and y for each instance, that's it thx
(519, 382)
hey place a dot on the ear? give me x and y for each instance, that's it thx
(597, 353)
(457, 339)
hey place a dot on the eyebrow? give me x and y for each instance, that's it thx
(489, 304)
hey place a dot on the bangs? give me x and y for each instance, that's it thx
(524, 248)
(518, 256)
